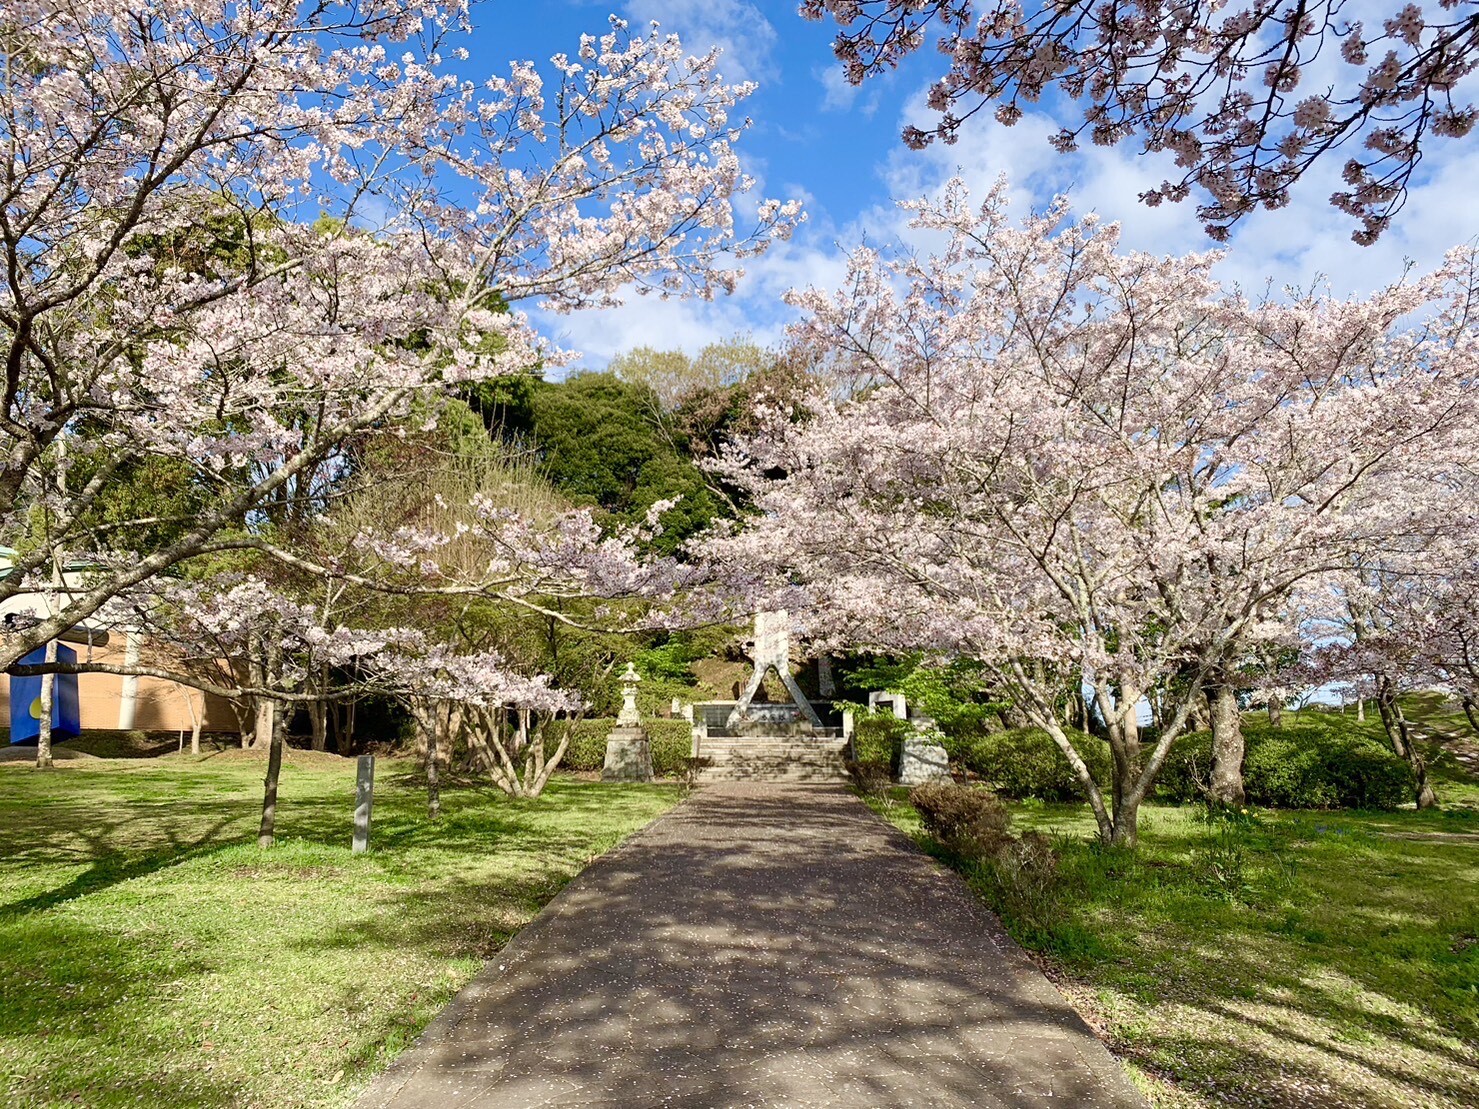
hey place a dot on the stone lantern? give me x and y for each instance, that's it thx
(628, 748)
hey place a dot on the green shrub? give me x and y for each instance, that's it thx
(1313, 762)
(672, 744)
(971, 821)
(1025, 762)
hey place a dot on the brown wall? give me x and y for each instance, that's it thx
(161, 706)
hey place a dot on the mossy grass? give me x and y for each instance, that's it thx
(151, 954)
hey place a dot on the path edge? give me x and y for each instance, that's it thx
(1115, 1073)
(390, 1081)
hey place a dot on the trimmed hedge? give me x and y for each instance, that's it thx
(1025, 762)
(875, 738)
(672, 743)
(1310, 763)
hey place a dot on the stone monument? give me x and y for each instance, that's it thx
(772, 652)
(628, 748)
(920, 758)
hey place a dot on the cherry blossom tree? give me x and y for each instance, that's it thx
(1082, 467)
(237, 235)
(1405, 620)
(1247, 97)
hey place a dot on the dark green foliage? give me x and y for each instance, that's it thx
(670, 661)
(672, 744)
(954, 694)
(1025, 762)
(1316, 761)
(600, 441)
(968, 820)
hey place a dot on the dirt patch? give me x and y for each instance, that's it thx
(292, 755)
(26, 753)
(296, 873)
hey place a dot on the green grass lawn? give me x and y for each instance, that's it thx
(151, 954)
(1299, 959)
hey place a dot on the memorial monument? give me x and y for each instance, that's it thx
(772, 651)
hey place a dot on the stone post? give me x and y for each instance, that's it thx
(364, 797)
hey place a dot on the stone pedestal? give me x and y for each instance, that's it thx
(628, 755)
(921, 761)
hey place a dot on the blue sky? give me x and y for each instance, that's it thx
(838, 149)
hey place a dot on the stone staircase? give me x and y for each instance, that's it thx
(771, 759)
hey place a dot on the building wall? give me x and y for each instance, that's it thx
(159, 706)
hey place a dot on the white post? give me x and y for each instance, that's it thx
(128, 703)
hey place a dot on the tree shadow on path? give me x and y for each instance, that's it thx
(760, 945)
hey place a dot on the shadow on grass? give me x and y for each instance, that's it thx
(63, 981)
(109, 867)
(1316, 958)
(111, 989)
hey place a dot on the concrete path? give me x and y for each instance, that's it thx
(759, 945)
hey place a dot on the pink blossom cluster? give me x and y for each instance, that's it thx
(239, 236)
(223, 620)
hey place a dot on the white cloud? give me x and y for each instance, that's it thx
(755, 309)
(746, 37)
(838, 93)
(841, 95)
(1294, 246)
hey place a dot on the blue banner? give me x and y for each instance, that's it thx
(25, 700)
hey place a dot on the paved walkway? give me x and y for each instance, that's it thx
(759, 945)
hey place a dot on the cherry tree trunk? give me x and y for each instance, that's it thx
(1399, 731)
(318, 721)
(1199, 719)
(48, 695)
(264, 728)
(433, 780)
(344, 727)
(1124, 743)
(429, 716)
(1471, 711)
(1276, 712)
(1125, 831)
(277, 732)
(1226, 786)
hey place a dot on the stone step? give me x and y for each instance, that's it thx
(711, 752)
(728, 743)
(771, 759)
(745, 773)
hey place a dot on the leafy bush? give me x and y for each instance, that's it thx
(952, 693)
(670, 661)
(1025, 762)
(672, 744)
(1313, 762)
(970, 821)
